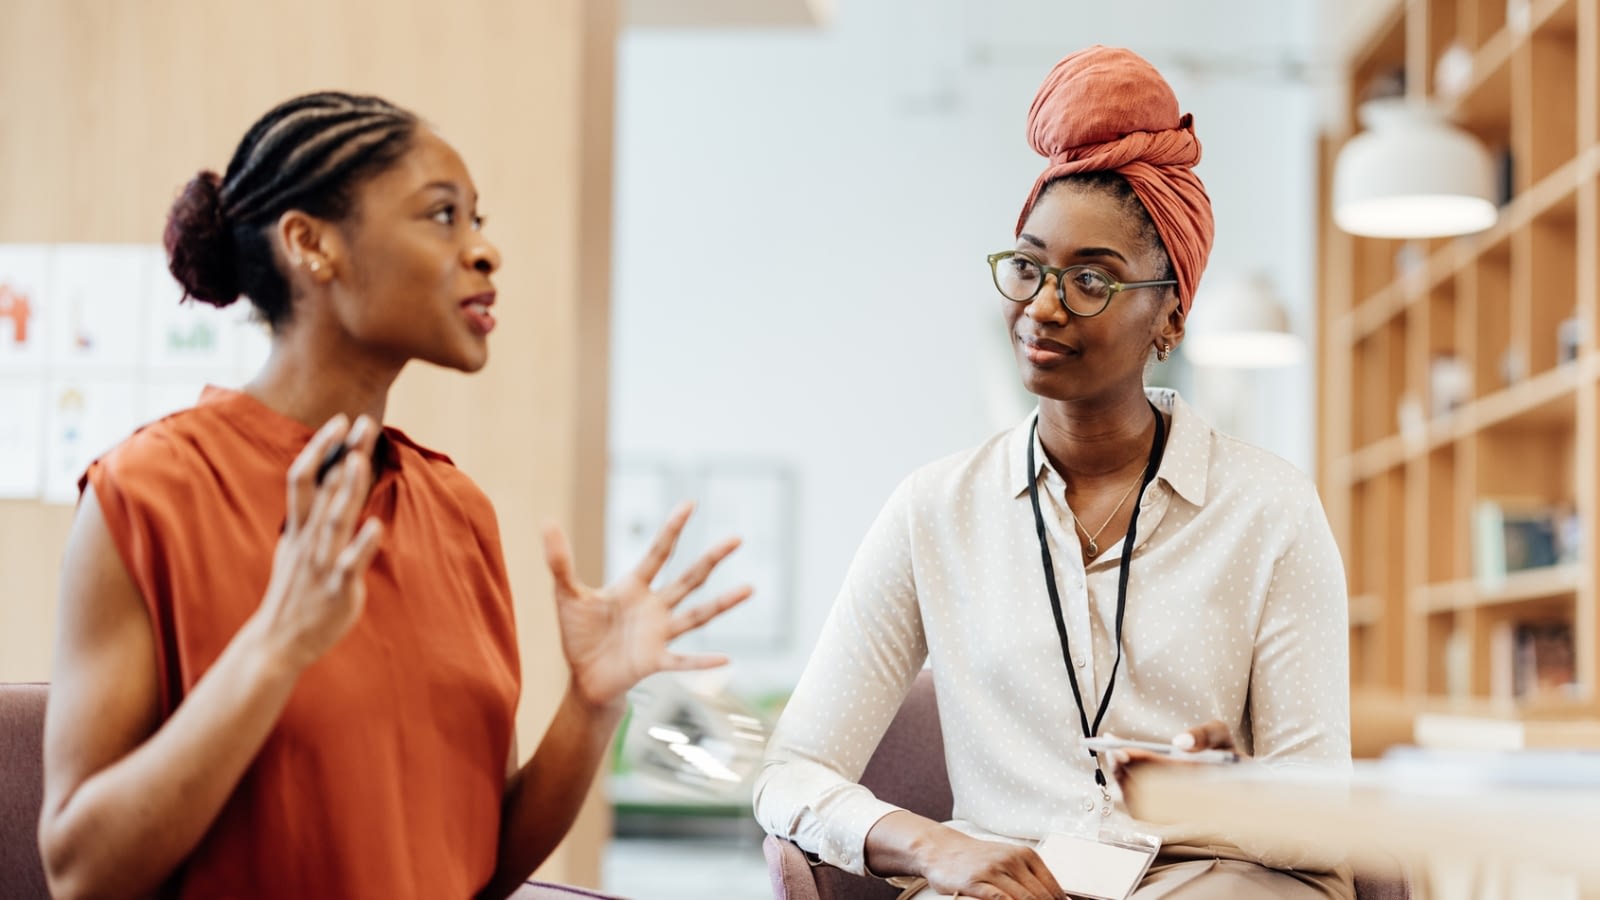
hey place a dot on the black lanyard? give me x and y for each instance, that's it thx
(1124, 565)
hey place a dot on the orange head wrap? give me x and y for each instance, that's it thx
(1105, 108)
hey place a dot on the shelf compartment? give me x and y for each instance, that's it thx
(1447, 379)
(1545, 81)
(1446, 547)
(1378, 380)
(1446, 664)
(1541, 402)
(1494, 644)
(1492, 302)
(1485, 104)
(1546, 270)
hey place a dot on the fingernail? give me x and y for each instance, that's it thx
(1184, 741)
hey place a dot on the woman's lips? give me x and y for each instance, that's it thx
(1043, 351)
(477, 311)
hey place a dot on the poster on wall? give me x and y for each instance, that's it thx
(83, 418)
(24, 269)
(95, 307)
(182, 336)
(96, 340)
(21, 440)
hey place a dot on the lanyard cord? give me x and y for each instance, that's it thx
(1157, 447)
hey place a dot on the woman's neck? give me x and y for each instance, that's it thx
(311, 380)
(1091, 440)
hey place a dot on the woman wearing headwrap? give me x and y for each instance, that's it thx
(1109, 565)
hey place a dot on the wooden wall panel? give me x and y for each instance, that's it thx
(106, 108)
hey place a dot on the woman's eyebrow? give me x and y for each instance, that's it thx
(449, 187)
(1099, 253)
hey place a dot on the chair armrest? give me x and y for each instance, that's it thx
(542, 890)
(789, 870)
(1388, 882)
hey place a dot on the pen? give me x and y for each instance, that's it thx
(331, 459)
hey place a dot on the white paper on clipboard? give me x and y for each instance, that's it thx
(1096, 870)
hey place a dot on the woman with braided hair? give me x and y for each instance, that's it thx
(1109, 565)
(286, 663)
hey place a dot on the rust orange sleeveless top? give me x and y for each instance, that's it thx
(384, 775)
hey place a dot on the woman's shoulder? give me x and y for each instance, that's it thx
(1245, 472)
(169, 445)
(1236, 459)
(1208, 464)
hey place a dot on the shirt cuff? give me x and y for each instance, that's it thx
(842, 841)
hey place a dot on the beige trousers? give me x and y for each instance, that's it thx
(1193, 873)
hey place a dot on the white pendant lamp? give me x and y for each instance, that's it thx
(1411, 174)
(1238, 323)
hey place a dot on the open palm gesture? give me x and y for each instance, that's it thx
(616, 635)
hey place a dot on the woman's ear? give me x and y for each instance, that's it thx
(305, 241)
(1172, 326)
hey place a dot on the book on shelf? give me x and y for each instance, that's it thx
(1532, 661)
(1511, 536)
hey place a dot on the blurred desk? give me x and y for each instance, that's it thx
(1541, 810)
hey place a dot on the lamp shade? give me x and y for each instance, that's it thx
(1238, 323)
(1412, 175)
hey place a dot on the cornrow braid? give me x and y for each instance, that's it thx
(309, 153)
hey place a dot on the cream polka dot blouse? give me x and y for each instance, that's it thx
(1236, 611)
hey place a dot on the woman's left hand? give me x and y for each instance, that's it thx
(616, 635)
(1213, 735)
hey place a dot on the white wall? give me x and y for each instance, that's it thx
(802, 217)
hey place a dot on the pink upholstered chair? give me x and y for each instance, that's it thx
(22, 793)
(908, 770)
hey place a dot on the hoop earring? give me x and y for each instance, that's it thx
(1163, 352)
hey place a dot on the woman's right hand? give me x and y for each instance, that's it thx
(988, 870)
(318, 590)
(904, 843)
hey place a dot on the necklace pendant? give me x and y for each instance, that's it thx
(1093, 550)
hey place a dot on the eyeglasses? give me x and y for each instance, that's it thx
(1019, 278)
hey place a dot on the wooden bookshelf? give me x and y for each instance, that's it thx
(1405, 474)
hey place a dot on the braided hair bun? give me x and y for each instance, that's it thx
(200, 251)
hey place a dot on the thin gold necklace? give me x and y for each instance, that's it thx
(1094, 549)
